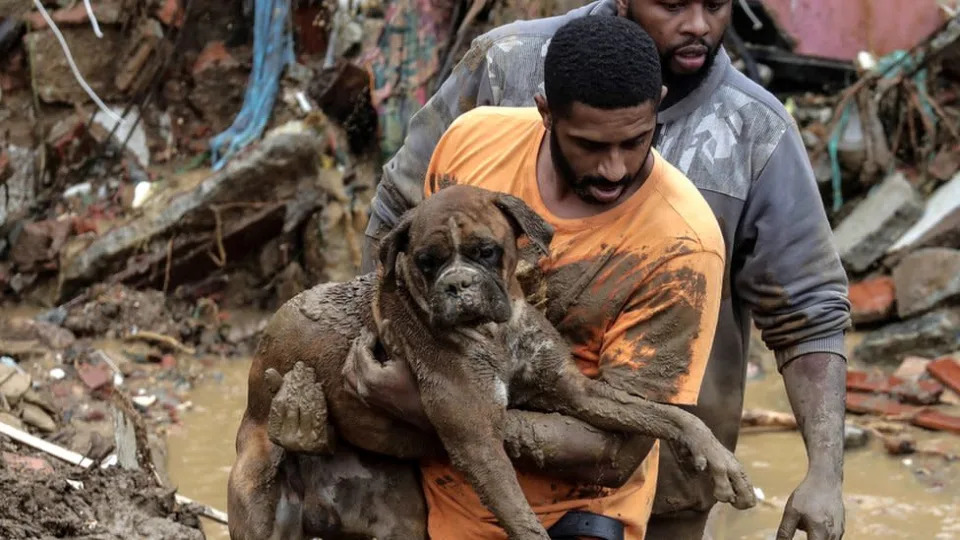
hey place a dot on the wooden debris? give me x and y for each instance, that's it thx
(154, 337)
(767, 420)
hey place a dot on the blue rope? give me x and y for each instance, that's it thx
(837, 184)
(272, 50)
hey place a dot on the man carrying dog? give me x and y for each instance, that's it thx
(633, 279)
(741, 149)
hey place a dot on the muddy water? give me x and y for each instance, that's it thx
(885, 497)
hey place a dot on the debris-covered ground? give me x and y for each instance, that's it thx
(42, 498)
(143, 243)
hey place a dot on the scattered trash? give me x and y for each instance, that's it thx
(144, 402)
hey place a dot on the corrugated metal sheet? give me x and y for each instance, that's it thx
(841, 28)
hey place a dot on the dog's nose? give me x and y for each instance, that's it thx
(460, 284)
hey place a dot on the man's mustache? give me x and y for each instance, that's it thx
(601, 182)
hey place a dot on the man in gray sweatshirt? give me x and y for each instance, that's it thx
(740, 147)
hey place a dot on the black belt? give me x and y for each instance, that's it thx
(574, 524)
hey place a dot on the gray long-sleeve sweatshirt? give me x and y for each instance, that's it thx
(741, 148)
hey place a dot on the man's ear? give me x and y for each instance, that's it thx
(541, 102)
(622, 8)
(525, 221)
(663, 93)
(393, 243)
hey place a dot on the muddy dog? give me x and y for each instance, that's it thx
(448, 297)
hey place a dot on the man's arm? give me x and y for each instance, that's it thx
(401, 186)
(570, 449)
(793, 281)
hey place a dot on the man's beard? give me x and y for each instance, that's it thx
(679, 85)
(580, 186)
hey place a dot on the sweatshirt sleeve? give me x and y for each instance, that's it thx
(468, 86)
(791, 276)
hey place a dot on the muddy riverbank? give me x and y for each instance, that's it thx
(886, 497)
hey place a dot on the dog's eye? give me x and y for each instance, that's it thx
(427, 263)
(488, 253)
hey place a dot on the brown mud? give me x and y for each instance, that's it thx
(43, 498)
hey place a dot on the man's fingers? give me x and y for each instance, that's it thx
(788, 525)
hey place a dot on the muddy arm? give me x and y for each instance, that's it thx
(572, 450)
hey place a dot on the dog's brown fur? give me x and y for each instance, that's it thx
(457, 314)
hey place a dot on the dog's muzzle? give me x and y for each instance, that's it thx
(465, 295)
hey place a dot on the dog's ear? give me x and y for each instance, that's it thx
(391, 244)
(525, 221)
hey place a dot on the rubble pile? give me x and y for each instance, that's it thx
(887, 155)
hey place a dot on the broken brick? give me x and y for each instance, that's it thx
(27, 463)
(872, 300)
(38, 243)
(912, 368)
(919, 392)
(865, 403)
(214, 54)
(947, 371)
(95, 376)
(938, 421)
(168, 361)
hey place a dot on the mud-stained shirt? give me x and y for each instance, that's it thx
(635, 290)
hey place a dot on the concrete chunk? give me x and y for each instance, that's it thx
(926, 279)
(932, 335)
(940, 224)
(889, 210)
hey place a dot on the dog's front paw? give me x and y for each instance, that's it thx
(730, 482)
(298, 411)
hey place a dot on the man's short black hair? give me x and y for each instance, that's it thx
(601, 61)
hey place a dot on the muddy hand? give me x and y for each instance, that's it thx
(389, 386)
(730, 483)
(298, 411)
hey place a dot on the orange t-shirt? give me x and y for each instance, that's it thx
(635, 290)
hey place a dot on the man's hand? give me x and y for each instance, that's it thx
(389, 386)
(816, 507)
(816, 386)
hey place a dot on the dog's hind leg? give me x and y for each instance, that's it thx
(264, 495)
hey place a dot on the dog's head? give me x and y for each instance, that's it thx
(458, 253)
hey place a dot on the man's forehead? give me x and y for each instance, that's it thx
(610, 124)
